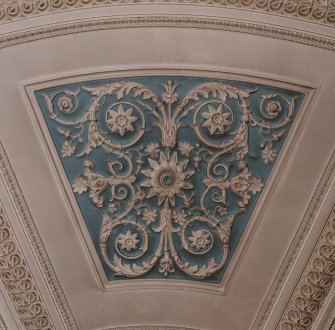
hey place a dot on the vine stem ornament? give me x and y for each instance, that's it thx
(179, 171)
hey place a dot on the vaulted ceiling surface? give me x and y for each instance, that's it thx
(273, 58)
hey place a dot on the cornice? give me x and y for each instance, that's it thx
(35, 240)
(297, 242)
(168, 21)
(314, 284)
(19, 282)
(318, 11)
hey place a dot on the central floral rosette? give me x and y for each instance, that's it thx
(167, 178)
(171, 173)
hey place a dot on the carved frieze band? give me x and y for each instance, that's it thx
(18, 281)
(320, 11)
(314, 284)
(39, 249)
(151, 327)
(174, 22)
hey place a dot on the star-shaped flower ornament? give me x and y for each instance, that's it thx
(128, 241)
(121, 121)
(167, 178)
(153, 156)
(216, 119)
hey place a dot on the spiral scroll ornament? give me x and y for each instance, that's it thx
(19, 282)
(178, 172)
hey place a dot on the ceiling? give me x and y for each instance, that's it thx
(167, 165)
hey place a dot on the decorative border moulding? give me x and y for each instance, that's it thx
(318, 11)
(35, 240)
(314, 284)
(151, 327)
(164, 21)
(299, 238)
(3, 325)
(18, 281)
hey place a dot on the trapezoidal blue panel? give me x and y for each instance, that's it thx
(167, 170)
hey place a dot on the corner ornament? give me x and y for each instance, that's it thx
(169, 177)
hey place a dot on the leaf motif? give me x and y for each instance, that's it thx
(218, 90)
(232, 94)
(67, 134)
(291, 108)
(268, 96)
(50, 107)
(137, 269)
(278, 136)
(193, 269)
(202, 269)
(212, 263)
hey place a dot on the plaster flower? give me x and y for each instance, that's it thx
(167, 178)
(185, 148)
(268, 154)
(216, 119)
(222, 210)
(139, 195)
(121, 120)
(112, 208)
(65, 104)
(67, 149)
(128, 241)
(152, 149)
(149, 215)
(200, 239)
(79, 185)
(255, 185)
(179, 216)
(273, 108)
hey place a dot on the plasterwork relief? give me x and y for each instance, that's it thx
(19, 282)
(3, 325)
(299, 238)
(320, 11)
(163, 21)
(332, 325)
(168, 204)
(151, 327)
(28, 224)
(315, 283)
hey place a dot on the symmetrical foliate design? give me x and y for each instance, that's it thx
(167, 171)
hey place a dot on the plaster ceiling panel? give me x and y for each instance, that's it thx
(45, 80)
(166, 184)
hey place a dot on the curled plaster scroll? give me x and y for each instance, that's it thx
(18, 281)
(314, 284)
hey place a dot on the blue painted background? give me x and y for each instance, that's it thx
(74, 166)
